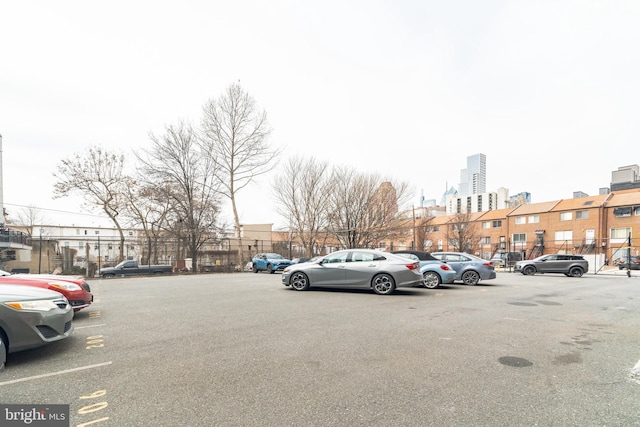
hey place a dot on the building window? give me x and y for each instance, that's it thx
(485, 240)
(440, 244)
(497, 224)
(436, 228)
(519, 238)
(80, 245)
(582, 214)
(521, 220)
(636, 210)
(561, 236)
(566, 216)
(534, 219)
(622, 212)
(486, 224)
(620, 234)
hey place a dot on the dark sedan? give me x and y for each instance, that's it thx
(632, 264)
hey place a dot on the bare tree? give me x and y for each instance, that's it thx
(99, 176)
(149, 209)
(462, 233)
(28, 218)
(175, 166)
(364, 208)
(234, 135)
(301, 192)
(421, 233)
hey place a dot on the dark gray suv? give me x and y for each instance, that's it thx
(569, 265)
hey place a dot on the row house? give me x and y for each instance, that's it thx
(603, 224)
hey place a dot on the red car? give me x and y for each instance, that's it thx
(74, 288)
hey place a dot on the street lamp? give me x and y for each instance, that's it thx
(40, 254)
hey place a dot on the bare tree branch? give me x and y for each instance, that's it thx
(99, 176)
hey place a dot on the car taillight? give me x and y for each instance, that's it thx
(445, 267)
(413, 266)
(488, 264)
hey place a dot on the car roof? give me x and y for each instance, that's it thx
(422, 255)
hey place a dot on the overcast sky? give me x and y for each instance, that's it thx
(549, 91)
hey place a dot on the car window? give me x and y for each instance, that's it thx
(361, 256)
(334, 258)
(409, 256)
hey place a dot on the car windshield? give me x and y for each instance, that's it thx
(274, 256)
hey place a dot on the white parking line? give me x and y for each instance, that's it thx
(54, 373)
(635, 373)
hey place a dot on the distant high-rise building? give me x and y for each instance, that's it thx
(473, 179)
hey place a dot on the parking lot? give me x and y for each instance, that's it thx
(243, 350)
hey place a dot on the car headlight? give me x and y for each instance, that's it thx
(65, 285)
(38, 305)
(286, 270)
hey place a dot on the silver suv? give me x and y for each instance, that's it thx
(569, 265)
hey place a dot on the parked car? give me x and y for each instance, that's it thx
(469, 268)
(269, 262)
(132, 268)
(31, 317)
(506, 259)
(569, 265)
(74, 288)
(355, 268)
(633, 265)
(434, 272)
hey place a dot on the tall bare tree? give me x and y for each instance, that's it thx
(234, 134)
(300, 191)
(99, 176)
(175, 166)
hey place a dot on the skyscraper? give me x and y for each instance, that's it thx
(473, 179)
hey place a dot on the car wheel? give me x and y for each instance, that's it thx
(270, 269)
(430, 280)
(299, 281)
(576, 272)
(255, 268)
(529, 270)
(108, 276)
(4, 349)
(470, 278)
(383, 284)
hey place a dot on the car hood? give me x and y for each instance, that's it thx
(11, 292)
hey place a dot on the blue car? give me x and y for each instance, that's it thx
(269, 262)
(434, 272)
(469, 269)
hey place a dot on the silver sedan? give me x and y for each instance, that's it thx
(31, 317)
(355, 268)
